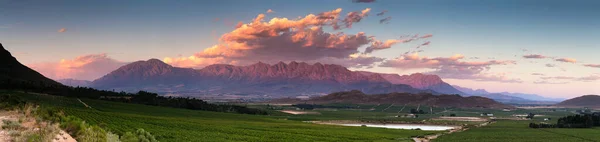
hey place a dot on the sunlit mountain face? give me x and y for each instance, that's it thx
(530, 48)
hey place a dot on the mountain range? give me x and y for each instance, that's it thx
(281, 79)
(506, 97)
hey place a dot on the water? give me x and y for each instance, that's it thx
(406, 126)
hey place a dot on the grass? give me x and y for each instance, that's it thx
(510, 130)
(170, 124)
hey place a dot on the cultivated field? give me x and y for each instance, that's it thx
(169, 124)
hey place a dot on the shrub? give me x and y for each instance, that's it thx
(11, 125)
(138, 136)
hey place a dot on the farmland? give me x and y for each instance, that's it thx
(170, 124)
(508, 130)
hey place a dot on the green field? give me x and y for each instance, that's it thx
(508, 130)
(169, 124)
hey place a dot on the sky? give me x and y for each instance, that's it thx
(545, 47)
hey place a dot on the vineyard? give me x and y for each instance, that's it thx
(508, 130)
(170, 124)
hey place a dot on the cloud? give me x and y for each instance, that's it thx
(62, 30)
(550, 65)
(363, 1)
(451, 67)
(381, 13)
(548, 82)
(385, 20)
(87, 67)
(283, 39)
(426, 36)
(538, 74)
(379, 45)
(534, 56)
(567, 60)
(592, 65)
(584, 79)
(270, 11)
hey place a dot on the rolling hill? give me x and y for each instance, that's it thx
(592, 101)
(358, 97)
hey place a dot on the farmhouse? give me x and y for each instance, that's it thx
(487, 114)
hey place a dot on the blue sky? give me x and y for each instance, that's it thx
(491, 30)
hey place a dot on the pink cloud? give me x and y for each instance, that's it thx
(451, 67)
(283, 39)
(567, 60)
(270, 11)
(62, 30)
(87, 67)
(589, 78)
(548, 82)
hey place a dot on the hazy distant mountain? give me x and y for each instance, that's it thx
(471, 91)
(75, 82)
(12, 71)
(281, 79)
(358, 97)
(506, 97)
(419, 81)
(533, 97)
(592, 101)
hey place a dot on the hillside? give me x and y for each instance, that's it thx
(592, 101)
(75, 82)
(259, 80)
(358, 97)
(11, 71)
(419, 81)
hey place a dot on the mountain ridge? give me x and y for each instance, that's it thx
(13, 71)
(294, 78)
(419, 81)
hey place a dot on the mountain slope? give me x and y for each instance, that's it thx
(507, 97)
(12, 71)
(261, 79)
(419, 81)
(358, 97)
(75, 82)
(592, 101)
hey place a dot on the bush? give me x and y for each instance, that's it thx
(138, 136)
(11, 125)
(92, 134)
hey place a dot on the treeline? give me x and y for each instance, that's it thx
(574, 121)
(142, 97)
